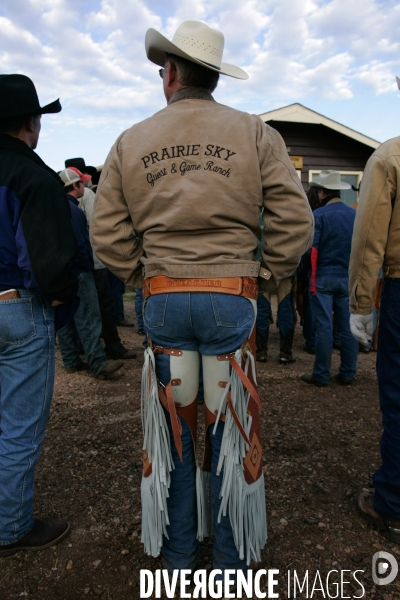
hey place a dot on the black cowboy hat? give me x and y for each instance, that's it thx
(80, 164)
(18, 97)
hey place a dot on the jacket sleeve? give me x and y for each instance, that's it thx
(370, 233)
(289, 223)
(49, 238)
(111, 229)
(84, 257)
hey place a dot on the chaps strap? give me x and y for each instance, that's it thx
(167, 400)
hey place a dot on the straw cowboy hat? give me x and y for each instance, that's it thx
(18, 97)
(330, 180)
(196, 42)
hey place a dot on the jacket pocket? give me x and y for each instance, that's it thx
(16, 321)
(231, 311)
(154, 309)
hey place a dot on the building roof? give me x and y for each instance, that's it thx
(298, 113)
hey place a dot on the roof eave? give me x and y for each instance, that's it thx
(297, 113)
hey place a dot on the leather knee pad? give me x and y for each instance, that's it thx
(216, 377)
(184, 371)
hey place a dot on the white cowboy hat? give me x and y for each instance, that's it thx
(330, 180)
(196, 42)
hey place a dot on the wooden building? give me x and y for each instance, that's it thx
(315, 143)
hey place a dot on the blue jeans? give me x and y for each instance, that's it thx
(332, 295)
(285, 321)
(387, 478)
(211, 324)
(26, 388)
(87, 326)
(285, 315)
(264, 313)
(308, 322)
(118, 290)
(139, 308)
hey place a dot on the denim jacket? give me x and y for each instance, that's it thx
(334, 224)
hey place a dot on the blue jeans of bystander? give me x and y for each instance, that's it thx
(333, 296)
(308, 322)
(26, 389)
(387, 478)
(118, 290)
(139, 309)
(264, 313)
(87, 325)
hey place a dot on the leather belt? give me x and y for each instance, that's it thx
(237, 286)
(11, 295)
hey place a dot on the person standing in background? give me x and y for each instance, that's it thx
(376, 244)
(37, 292)
(86, 323)
(330, 255)
(113, 346)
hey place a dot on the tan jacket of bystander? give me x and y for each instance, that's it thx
(376, 237)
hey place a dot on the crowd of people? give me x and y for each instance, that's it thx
(176, 216)
(318, 290)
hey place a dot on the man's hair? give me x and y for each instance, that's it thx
(193, 74)
(312, 196)
(69, 188)
(333, 193)
(13, 125)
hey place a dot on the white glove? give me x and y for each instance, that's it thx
(362, 327)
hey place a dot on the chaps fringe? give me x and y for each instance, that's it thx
(154, 488)
(244, 502)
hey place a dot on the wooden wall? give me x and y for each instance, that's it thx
(322, 148)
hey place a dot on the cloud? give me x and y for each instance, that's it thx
(91, 53)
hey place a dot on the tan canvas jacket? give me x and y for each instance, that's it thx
(191, 181)
(376, 237)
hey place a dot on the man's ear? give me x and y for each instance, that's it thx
(29, 124)
(172, 74)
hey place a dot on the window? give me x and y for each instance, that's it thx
(349, 197)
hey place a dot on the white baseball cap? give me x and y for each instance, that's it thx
(72, 175)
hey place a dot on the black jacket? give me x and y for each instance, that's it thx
(37, 242)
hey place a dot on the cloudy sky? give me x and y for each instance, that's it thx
(337, 57)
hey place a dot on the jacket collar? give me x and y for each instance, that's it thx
(189, 93)
(333, 200)
(73, 199)
(14, 144)
(329, 199)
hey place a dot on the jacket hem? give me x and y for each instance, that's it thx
(250, 269)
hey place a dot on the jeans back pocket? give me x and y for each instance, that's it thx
(231, 311)
(154, 309)
(16, 321)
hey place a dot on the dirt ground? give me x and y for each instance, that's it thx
(321, 446)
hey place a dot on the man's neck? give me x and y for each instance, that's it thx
(25, 137)
(74, 196)
(190, 92)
